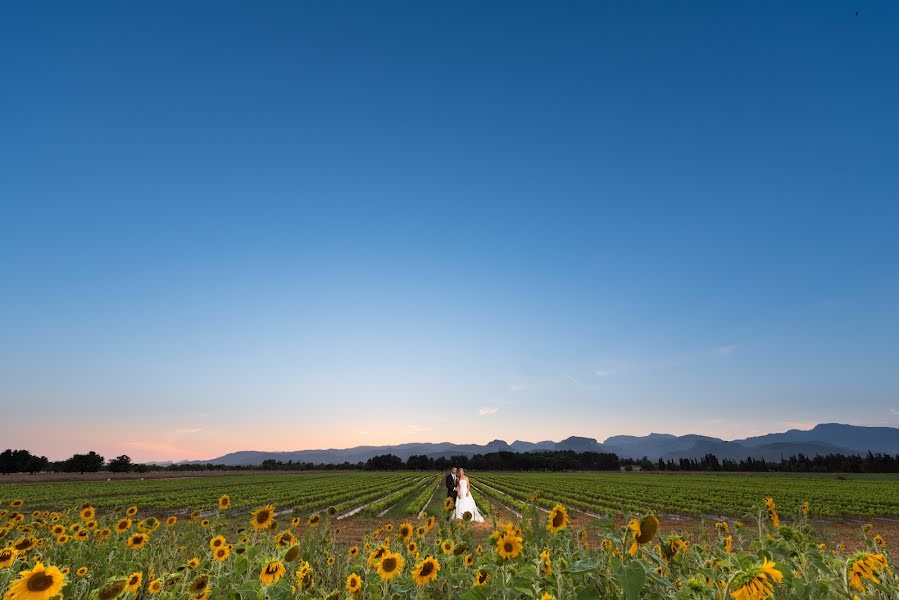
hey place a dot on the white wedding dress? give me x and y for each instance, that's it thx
(465, 503)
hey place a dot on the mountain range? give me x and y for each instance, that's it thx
(827, 438)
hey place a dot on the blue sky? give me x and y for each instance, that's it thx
(232, 225)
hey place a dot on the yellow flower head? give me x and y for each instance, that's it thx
(353, 583)
(509, 546)
(390, 565)
(426, 571)
(557, 519)
(263, 517)
(133, 583)
(272, 572)
(39, 583)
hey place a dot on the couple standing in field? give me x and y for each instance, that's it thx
(457, 488)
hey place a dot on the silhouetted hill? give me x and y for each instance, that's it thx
(829, 438)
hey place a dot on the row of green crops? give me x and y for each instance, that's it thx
(296, 492)
(695, 494)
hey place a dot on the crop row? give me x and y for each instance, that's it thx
(697, 494)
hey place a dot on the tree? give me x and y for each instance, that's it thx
(83, 463)
(120, 464)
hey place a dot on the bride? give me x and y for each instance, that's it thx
(464, 501)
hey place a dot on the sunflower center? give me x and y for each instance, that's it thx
(508, 547)
(133, 580)
(389, 564)
(557, 520)
(39, 582)
(426, 569)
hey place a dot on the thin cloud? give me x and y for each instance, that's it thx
(189, 430)
(488, 410)
(418, 428)
(894, 411)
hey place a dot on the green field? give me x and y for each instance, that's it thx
(399, 493)
(711, 495)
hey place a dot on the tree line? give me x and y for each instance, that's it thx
(22, 461)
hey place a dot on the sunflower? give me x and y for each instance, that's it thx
(16, 503)
(123, 525)
(137, 541)
(866, 567)
(263, 517)
(377, 554)
(199, 585)
(284, 538)
(296, 521)
(88, 513)
(449, 504)
(82, 535)
(353, 583)
(509, 546)
(217, 542)
(406, 530)
(112, 590)
(39, 583)
(879, 541)
(431, 522)
(272, 572)
(479, 550)
(481, 578)
(154, 587)
(447, 547)
(772, 511)
(547, 596)
(25, 544)
(305, 575)
(314, 520)
(92, 525)
(757, 582)
(63, 539)
(202, 595)
(132, 510)
(81, 572)
(8, 557)
(222, 553)
(224, 502)
(171, 520)
(643, 531)
(468, 560)
(353, 552)
(426, 571)
(390, 566)
(58, 530)
(547, 567)
(412, 548)
(204, 523)
(133, 583)
(193, 563)
(557, 519)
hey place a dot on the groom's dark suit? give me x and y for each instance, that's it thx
(451, 487)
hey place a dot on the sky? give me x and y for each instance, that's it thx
(287, 225)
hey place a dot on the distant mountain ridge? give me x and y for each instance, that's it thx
(826, 438)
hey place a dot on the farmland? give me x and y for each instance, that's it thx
(378, 535)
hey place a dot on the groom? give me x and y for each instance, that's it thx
(451, 482)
